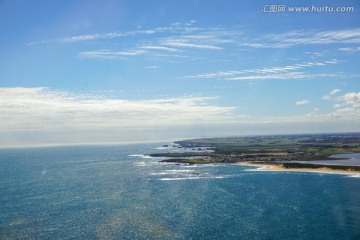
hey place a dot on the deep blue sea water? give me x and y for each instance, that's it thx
(114, 192)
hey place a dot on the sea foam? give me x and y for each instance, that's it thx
(140, 156)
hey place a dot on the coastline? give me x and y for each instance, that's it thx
(321, 153)
(280, 168)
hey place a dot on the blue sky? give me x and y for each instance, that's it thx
(74, 72)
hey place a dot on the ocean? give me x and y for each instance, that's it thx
(116, 192)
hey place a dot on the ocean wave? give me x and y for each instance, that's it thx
(141, 164)
(149, 164)
(354, 176)
(192, 178)
(202, 165)
(177, 173)
(140, 156)
(179, 178)
(185, 174)
(262, 168)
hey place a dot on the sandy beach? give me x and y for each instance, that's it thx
(280, 167)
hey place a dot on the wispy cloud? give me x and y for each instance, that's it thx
(97, 36)
(152, 67)
(283, 76)
(185, 37)
(162, 48)
(180, 27)
(293, 38)
(90, 37)
(80, 38)
(184, 40)
(174, 41)
(187, 44)
(211, 38)
(313, 113)
(285, 72)
(331, 93)
(302, 102)
(111, 54)
(166, 41)
(350, 49)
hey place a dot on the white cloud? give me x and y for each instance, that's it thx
(90, 37)
(152, 67)
(173, 28)
(313, 113)
(41, 115)
(350, 49)
(42, 108)
(293, 38)
(111, 54)
(302, 102)
(348, 107)
(97, 36)
(170, 46)
(283, 76)
(352, 99)
(151, 47)
(179, 37)
(285, 72)
(346, 114)
(335, 91)
(318, 53)
(79, 38)
(331, 93)
(187, 44)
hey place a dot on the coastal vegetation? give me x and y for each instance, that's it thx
(275, 149)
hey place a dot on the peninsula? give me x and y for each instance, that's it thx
(280, 151)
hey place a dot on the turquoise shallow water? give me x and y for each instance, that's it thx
(114, 192)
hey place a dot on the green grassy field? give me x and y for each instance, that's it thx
(299, 147)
